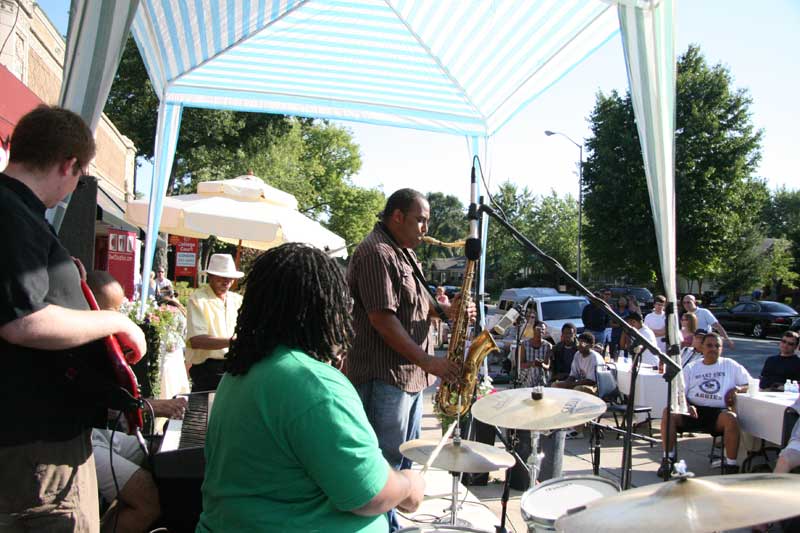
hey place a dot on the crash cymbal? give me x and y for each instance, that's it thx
(713, 503)
(466, 456)
(558, 408)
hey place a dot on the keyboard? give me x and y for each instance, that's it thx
(180, 454)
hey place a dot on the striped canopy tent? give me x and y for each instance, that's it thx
(463, 67)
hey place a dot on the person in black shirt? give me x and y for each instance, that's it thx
(49, 339)
(595, 320)
(786, 365)
(563, 353)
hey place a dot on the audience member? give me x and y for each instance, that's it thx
(648, 357)
(595, 320)
(657, 322)
(705, 318)
(583, 372)
(563, 353)
(163, 286)
(616, 327)
(711, 387)
(688, 328)
(536, 357)
(786, 365)
(441, 297)
(693, 353)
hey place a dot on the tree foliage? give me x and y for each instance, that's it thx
(448, 223)
(717, 196)
(550, 222)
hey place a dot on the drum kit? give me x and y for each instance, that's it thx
(593, 503)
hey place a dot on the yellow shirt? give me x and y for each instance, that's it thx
(207, 314)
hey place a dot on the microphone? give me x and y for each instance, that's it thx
(506, 322)
(472, 249)
(508, 319)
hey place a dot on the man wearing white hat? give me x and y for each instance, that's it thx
(211, 321)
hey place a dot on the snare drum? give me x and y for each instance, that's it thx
(544, 504)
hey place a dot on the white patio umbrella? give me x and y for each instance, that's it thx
(243, 211)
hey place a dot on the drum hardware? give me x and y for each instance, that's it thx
(457, 457)
(596, 436)
(543, 504)
(691, 504)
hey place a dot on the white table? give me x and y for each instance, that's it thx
(761, 415)
(651, 389)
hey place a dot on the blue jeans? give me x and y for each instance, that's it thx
(396, 417)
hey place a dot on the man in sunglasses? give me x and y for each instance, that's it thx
(786, 365)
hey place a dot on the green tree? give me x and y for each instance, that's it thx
(506, 260)
(716, 152)
(448, 223)
(554, 225)
(779, 267)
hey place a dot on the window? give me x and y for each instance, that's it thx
(562, 309)
(775, 307)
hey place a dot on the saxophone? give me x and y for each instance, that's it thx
(451, 395)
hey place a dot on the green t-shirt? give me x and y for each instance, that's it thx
(289, 448)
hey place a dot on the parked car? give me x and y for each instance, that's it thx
(759, 318)
(554, 310)
(642, 294)
(795, 325)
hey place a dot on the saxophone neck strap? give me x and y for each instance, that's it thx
(418, 275)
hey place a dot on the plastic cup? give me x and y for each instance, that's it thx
(752, 387)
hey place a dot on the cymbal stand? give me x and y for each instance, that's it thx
(510, 445)
(452, 518)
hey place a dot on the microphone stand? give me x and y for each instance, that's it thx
(670, 366)
(627, 446)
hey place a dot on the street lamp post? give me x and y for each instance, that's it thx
(580, 194)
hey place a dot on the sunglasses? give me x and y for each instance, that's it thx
(784, 341)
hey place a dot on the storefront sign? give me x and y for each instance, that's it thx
(185, 256)
(122, 258)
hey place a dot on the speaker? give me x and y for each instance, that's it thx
(78, 227)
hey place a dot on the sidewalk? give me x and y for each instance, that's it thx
(482, 507)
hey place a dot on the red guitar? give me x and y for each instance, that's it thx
(122, 371)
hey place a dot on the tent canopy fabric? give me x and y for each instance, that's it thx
(456, 66)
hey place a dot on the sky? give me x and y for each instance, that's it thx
(756, 40)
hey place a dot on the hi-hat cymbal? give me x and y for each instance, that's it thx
(466, 456)
(558, 408)
(713, 503)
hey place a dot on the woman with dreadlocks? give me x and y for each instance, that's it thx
(289, 447)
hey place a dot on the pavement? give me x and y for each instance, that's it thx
(482, 504)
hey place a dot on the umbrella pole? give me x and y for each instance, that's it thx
(238, 253)
(236, 262)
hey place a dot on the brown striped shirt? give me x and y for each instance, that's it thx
(380, 277)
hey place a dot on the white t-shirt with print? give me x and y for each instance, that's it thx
(707, 385)
(585, 367)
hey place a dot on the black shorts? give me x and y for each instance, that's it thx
(706, 420)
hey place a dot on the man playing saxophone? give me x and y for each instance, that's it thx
(391, 360)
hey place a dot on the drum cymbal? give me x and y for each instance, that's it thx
(558, 408)
(467, 456)
(713, 503)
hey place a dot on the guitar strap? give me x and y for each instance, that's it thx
(418, 275)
